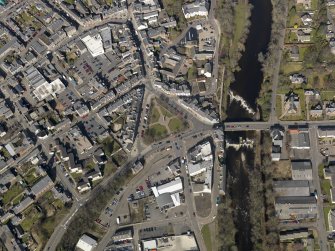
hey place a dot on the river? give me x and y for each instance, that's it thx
(247, 85)
(248, 80)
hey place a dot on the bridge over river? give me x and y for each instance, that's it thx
(258, 125)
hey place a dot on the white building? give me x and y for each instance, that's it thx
(149, 245)
(86, 243)
(198, 8)
(94, 45)
(326, 132)
(83, 186)
(167, 195)
(41, 88)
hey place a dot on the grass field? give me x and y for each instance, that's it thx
(320, 171)
(279, 109)
(31, 218)
(154, 115)
(12, 192)
(31, 177)
(291, 67)
(17, 199)
(206, 234)
(110, 146)
(176, 125)
(302, 51)
(326, 210)
(325, 187)
(327, 95)
(314, 4)
(109, 168)
(158, 130)
(240, 20)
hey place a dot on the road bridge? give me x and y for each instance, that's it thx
(259, 125)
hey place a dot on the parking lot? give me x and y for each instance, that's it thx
(105, 217)
(327, 147)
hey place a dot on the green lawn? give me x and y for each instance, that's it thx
(154, 115)
(69, 1)
(325, 188)
(12, 192)
(279, 109)
(17, 199)
(326, 210)
(293, 18)
(158, 130)
(327, 95)
(26, 17)
(5, 153)
(206, 234)
(192, 73)
(302, 51)
(291, 37)
(154, 133)
(90, 165)
(291, 67)
(32, 216)
(314, 4)
(320, 171)
(109, 168)
(76, 176)
(110, 146)
(240, 19)
(31, 177)
(176, 125)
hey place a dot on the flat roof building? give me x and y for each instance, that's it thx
(301, 170)
(291, 187)
(171, 243)
(122, 236)
(326, 131)
(94, 44)
(86, 243)
(296, 207)
(292, 234)
(299, 139)
(167, 195)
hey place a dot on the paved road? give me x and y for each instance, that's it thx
(190, 205)
(245, 126)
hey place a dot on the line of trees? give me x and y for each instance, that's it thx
(226, 226)
(272, 58)
(264, 232)
(84, 220)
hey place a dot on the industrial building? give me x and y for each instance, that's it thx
(86, 243)
(167, 195)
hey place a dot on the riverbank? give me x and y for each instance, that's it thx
(271, 60)
(249, 221)
(234, 21)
